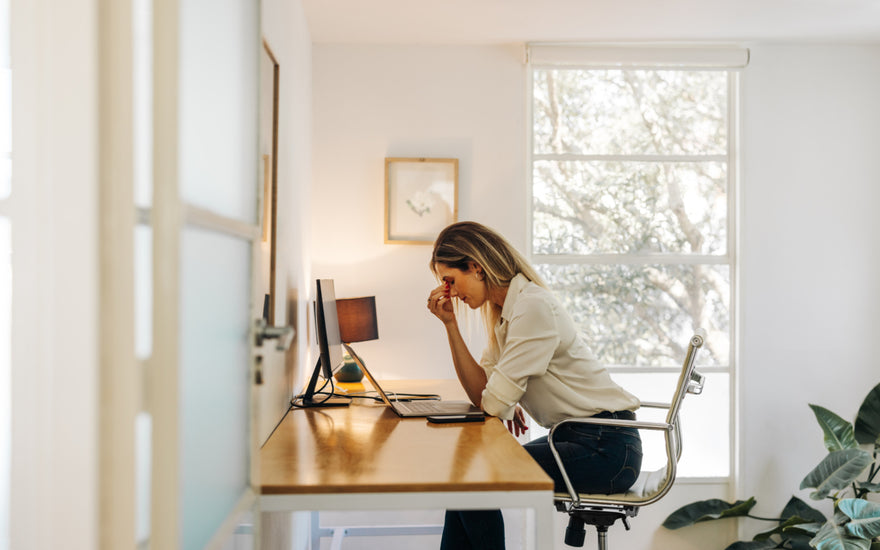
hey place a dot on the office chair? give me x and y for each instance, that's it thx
(601, 511)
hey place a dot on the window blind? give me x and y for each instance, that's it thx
(596, 56)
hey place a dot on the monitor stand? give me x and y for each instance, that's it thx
(321, 400)
(326, 402)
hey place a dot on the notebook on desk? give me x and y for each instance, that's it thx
(418, 407)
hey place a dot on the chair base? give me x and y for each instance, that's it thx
(601, 519)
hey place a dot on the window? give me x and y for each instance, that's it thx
(632, 171)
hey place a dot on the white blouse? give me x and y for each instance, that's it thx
(543, 364)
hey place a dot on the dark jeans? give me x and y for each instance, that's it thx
(598, 459)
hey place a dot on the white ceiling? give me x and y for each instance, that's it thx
(513, 21)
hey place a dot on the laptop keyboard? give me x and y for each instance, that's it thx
(418, 406)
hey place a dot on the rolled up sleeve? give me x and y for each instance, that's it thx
(532, 339)
(501, 396)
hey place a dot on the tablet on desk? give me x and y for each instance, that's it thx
(455, 418)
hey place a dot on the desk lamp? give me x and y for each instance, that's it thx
(357, 323)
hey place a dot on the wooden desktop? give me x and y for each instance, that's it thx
(364, 457)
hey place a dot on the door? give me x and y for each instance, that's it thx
(205, 237)
(133, 216)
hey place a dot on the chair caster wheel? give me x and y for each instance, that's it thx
(575, 533)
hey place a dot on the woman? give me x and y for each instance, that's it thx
(535, 361)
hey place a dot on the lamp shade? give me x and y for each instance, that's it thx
(357, 319)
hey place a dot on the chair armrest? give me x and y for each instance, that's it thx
(655, 405)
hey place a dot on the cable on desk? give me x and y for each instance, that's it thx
(354, 396)
(297, 401)
(394, 396)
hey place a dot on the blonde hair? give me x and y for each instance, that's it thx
(465, 242)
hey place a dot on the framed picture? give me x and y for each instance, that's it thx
(421, 198)
(269, 73)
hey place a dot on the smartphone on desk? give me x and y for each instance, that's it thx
(453, 418)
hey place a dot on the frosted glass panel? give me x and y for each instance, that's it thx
(5, 109)
(5, 274)
(143, 291)
(215, 314)
(143, 345)
(5, 376)
(4, 34)
(219, 81)
(705, 422)
(5, 176)
(143, 441)
(5, 131)
(142, 70)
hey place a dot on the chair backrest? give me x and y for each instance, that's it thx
(658, 483)
(652, 486)
(689, 381)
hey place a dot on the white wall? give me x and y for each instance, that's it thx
(285, 30)
(468, 102)
(286, 33)
(372, 102)
(810, 255)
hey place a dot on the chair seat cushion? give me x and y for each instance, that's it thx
(646, 486)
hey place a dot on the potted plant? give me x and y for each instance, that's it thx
(846, 476)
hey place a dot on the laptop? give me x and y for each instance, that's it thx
(417, 408)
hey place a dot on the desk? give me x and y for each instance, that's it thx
(364, 457)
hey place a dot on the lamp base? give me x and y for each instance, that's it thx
(349, 372)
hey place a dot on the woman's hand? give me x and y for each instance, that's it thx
(440, 304)
(517, 426)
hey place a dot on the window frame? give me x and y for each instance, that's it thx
(600, 57)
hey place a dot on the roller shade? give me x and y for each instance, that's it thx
(606, 56)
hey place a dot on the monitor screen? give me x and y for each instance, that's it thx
(327, 334)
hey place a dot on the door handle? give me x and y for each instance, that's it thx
(282, 335)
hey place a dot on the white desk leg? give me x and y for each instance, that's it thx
(338, 535)
(543, 528)
(315, 531)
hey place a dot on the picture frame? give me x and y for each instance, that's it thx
(269, 79)
(421, 198)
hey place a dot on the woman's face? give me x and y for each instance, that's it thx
(468, 286)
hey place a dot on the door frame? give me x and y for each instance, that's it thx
(55, 352)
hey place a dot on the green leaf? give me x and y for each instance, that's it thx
(834, 537)
(752, 545)
(706, 510)
(800, 542)
(797, 507)
(838, 432)
(809, 529)
(865, 517)
(867, 429)
(836, 471)
(787, 524)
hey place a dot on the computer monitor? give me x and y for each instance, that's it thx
(329, 344)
